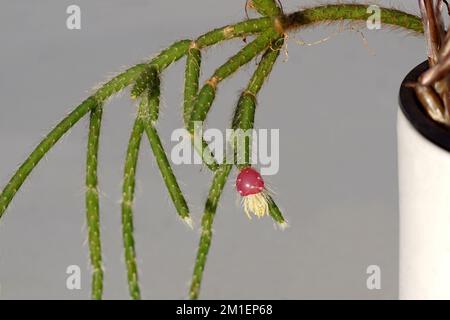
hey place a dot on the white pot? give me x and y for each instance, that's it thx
(424, 199)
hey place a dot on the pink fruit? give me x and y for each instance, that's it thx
(249, 182)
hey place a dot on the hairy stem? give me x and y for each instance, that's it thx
(191, 85)
(243, 119)
(108, 89)
(265, 67)
(162, 61)
(148, 79)
(92, 203)
(244, 115)
(356, 12)
(167, 174)
(44, 146)
(220, 178)
(206, 95)
(129, 181)
(191, 78)
(240, 29)
(267, 7)
(146, 115)
(193, 71)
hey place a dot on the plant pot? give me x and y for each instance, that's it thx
(424, 199)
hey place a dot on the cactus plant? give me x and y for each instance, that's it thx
(270, 33)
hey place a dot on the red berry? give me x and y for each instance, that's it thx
(249, 182)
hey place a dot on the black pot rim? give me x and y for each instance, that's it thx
(433, 131)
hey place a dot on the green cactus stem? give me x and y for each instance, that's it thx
(267, 7)
(244, 115)
(153, 98)
(149, 78)
(44, 146)
(92, 203)
(243, 119)
(275, 213)
(128, 188)
(206, 95)
(167, 174)
(146, 115)
(350, 12)
(241, 29)
(191, 84)
(218, 183)
(243, 122)
(191, 80)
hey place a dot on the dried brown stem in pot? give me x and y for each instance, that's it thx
(434, 85)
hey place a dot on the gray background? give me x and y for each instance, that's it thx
(335, 104)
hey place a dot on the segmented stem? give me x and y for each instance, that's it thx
(92, 203)
(244, 116)
(110, 88)
(240, 29)
(358, 12)
(191, 78)
(206, 95)
(218, 183)
(162, 61)
(193, 69)
(246, 54)
(265, 67)
(129, 181)
(244, 119)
